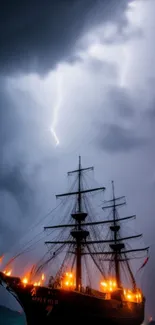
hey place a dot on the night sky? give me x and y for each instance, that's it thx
(81, 73)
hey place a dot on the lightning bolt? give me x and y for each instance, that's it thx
(132, 6)
(57, 108)
(55, 136)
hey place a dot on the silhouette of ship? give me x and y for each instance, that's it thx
(69, 295)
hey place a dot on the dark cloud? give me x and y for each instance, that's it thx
(16, 201)
(150, 107)
(150, 114)
(22, 126)
(7, 236)
(117, 106)
(121, 34)
(37, 35)
(102, 68)
(119, 139)
(13, 182)
(120, 101)
(24, 155)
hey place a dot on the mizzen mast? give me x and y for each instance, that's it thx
(79, 234)
(117, 246)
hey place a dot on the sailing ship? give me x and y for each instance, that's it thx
(69, 296)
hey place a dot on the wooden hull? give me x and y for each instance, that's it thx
(45, 306)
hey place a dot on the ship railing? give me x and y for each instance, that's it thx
(92, 292)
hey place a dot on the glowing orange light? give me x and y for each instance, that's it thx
(43, 277)
(132, 295)
(37, 284)
(25, 280)
(1, 258)
(68, 280)
(109, 285)
(104, 284)
(8, 273)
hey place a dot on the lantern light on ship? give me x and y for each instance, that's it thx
(68, 280)
(129, 295)
(7, 272)
(108, 286)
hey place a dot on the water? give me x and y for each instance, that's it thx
(11, 312)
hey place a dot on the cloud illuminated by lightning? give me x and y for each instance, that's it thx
(125, 67)
(134, 15)
(132, 4)
(57, 107)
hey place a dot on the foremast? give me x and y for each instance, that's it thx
(116, 246)
(78, 234)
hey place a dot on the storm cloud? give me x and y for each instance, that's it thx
(119, 139)
(36, 36)
(104, 54)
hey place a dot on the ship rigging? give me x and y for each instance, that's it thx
(84, 240)
(80, 241)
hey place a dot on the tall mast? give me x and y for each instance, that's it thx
(117, 245)
(79, 181)
(78, 233)
(115, 230)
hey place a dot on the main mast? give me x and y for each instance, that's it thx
(78, 233)
(115, 229)
(79, 179)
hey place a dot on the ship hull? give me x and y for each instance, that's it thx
(45, 306)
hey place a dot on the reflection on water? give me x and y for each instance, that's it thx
(11, 312)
